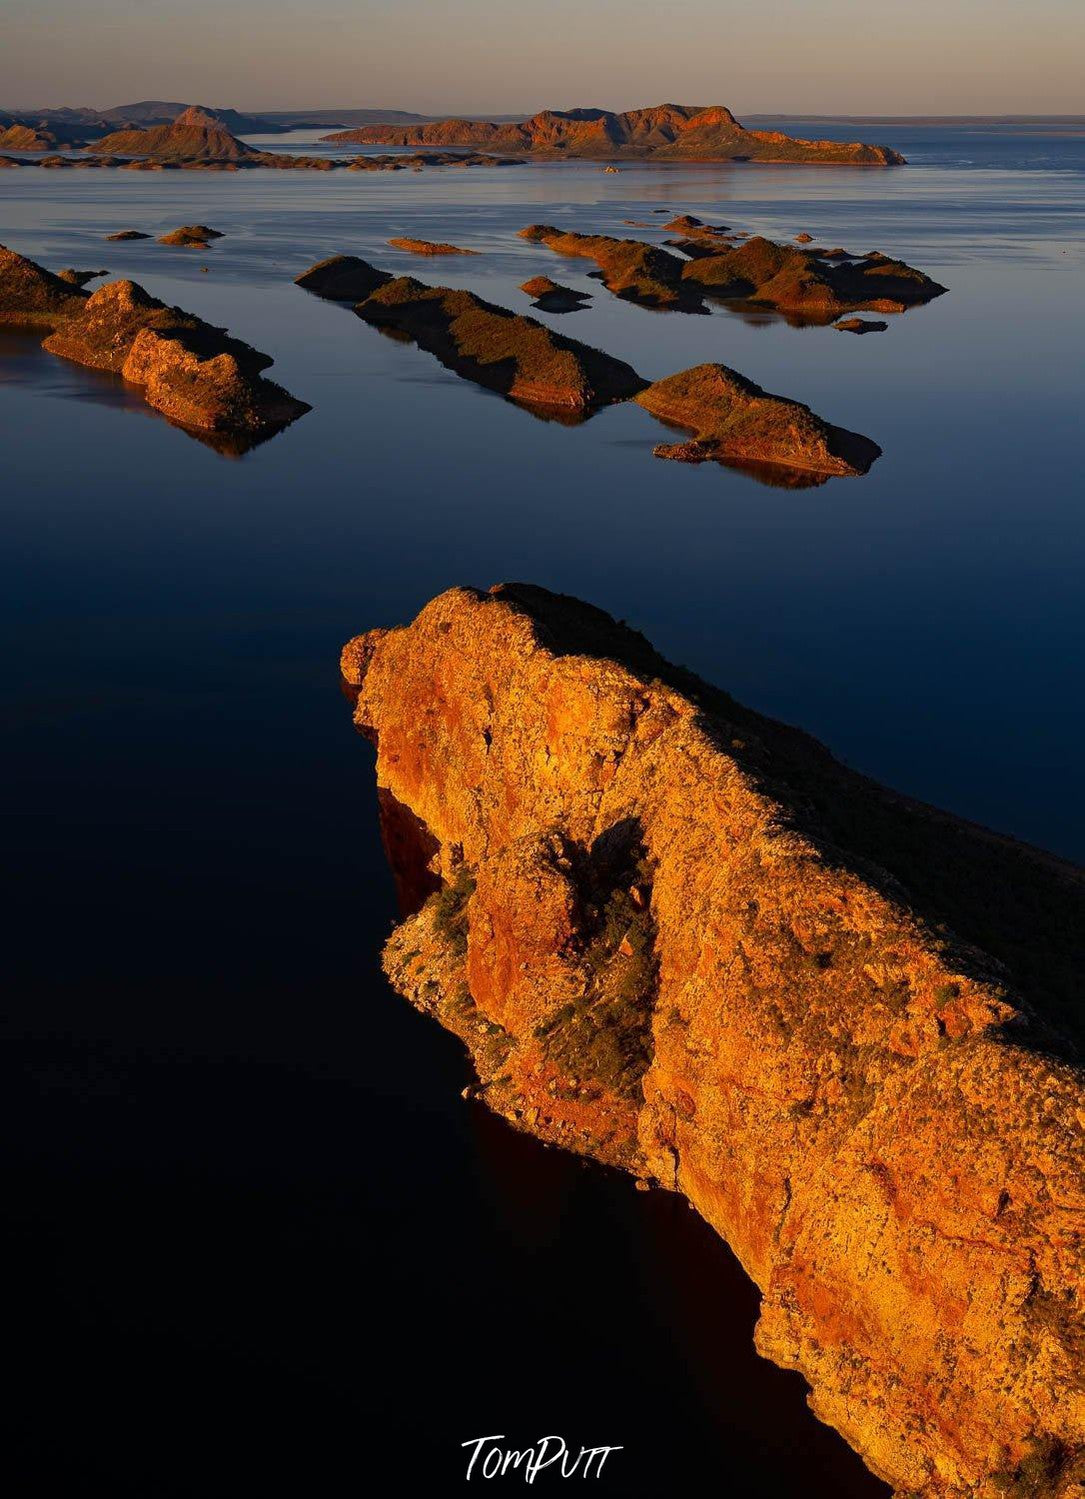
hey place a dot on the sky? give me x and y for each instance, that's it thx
(512, 56)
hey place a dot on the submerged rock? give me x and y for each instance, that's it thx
(631, 269)
(128, 234)
(428, 247)
(831, 1019)
(342, 278)
(734, 420)
(518, 356)
(32, 296)
(797, 281)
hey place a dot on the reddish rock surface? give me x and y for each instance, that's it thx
(667, 132)
(190, 236)
(32, 296)
(26, 138)
(631, 269)
(518, 356)
(551, 296)
(801, 282)
(192, 136)
(734, 420)
(428, 247)
(194, 373)
(683, 939)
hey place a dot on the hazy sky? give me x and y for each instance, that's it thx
(462, 56)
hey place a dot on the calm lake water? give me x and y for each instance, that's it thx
(258, 1237)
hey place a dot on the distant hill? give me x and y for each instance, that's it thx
(298, 119)
(194, 135)
(667, 132)
(15, 136)
(75, 126)
(163, 112)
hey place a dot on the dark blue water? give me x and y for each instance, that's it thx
(258, 1236)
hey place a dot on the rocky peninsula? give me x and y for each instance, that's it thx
(667, 132)
(193, 373)
(683, 939)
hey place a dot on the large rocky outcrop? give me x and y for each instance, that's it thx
(682, 938)
(31, 296)
(630, 268)
(191, 136)
(819, 285)
(18, 137)
(667, 132)
(194, 373)
(518, 356)
(810, 286)
(735, 421)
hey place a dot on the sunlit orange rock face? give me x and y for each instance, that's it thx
(683, 939)
(664, 132)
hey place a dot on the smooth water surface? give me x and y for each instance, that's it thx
(259, 1237)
